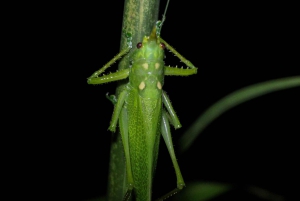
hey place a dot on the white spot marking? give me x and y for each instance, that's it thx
(142, 86)
(156, 65)
(158, 85)
(145, 66)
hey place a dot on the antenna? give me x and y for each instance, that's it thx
(160, 23)
(164, 15)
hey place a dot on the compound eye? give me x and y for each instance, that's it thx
(162, 45)
(139, 45)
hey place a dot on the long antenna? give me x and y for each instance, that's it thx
(164, 15)
(163, 19)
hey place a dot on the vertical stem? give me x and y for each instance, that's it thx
(139, 18)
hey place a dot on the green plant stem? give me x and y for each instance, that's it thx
(139, 18)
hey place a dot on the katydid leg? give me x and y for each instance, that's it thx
(166, 133)
(113, 60)
(108, 64)
(117, 110)
(123, 122)
(184, 60)
(119, 75)
(180, 71)
(120, 113)
(173, 117)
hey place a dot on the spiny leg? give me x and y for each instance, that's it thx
(115, 58)
(184, 60)
(180, 71)
(166, 133)
(108, 64)
(119, 75)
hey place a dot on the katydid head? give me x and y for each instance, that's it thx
(150, 48)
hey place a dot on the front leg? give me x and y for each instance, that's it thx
(108, 64)
(122, 74)
(184, 60)
(180, 71)
(95, 79)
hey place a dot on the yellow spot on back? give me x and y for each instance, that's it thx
(142, 86)
(145, 66)
(158, 85)
(156, 65)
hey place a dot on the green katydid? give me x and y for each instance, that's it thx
(143, 111)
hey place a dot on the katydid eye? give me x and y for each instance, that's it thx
(139, 45)
(162, 45)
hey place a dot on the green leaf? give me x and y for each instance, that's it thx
(232, 100)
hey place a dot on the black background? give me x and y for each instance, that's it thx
(232, 44)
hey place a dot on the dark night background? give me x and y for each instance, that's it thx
(232, 44)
